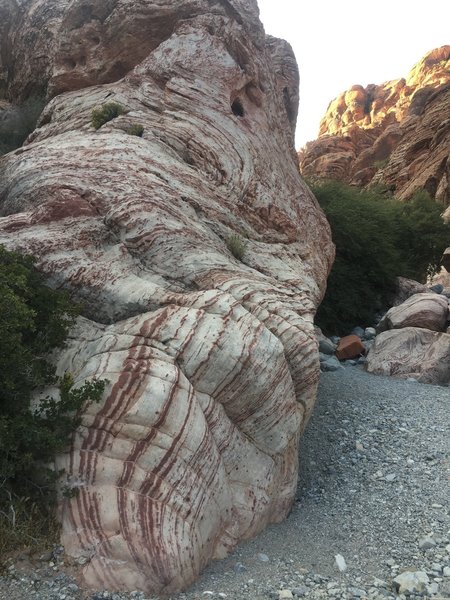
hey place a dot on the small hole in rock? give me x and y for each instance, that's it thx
(237, 108)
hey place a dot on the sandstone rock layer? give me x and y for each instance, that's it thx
(428, 310)
(405, 288)
(396, 134)
(210, 353)
(411, 352)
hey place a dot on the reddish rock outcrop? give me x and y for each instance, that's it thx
(396, 134)
(350, 346)
(211, 360)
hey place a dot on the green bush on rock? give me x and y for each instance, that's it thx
(34, 320)
(377, 239)
(136, 129)
(237, 245)
(106, 112)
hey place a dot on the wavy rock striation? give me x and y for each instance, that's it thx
(412, 352)
(395, 134)
(425, 310)
(211, 358)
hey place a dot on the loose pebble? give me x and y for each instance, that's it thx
(365, 429)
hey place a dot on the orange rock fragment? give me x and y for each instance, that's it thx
(350, 346)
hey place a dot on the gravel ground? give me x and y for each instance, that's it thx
(374, 490)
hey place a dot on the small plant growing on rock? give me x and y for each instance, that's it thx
(135, 129)
(107, 112)
(237, 245)
(380, 164)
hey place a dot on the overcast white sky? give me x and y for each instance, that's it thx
(339, 44)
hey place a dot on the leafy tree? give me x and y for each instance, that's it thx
(377, 239)
(34, 320)
(424, 236)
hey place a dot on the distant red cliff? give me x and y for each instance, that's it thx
(396, 134)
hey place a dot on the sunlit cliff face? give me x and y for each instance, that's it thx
(395, 134)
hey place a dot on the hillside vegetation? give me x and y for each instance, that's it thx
(377, 239)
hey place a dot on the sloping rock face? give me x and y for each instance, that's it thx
(411, 352)
(429, 311)
(405, 288)
(211, 361)
(396, 134)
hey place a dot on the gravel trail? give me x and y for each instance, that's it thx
(374, 488)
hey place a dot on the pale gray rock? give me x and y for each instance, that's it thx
(326, 346)
(370, 333)
(411, 582)
(405, 288)
(411, 353)
(428, 311)
(331, 364)
(426, 543)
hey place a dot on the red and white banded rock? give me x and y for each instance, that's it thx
(411, 352)
(428, 310)
(212, 360)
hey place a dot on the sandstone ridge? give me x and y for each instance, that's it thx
(209, 352)
(396, 134)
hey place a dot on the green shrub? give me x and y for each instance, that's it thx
(380, 164)
(16, 123)
(106, 112)
(377, 239)
(424, 236)
(34, 320)
(135, 129)
(237, 245)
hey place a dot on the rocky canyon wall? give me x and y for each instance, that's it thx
(396, 134)
(209, 350)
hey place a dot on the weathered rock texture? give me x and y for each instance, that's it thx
(429, 311)
(446, 260)
(212, 361)
(350, 346)
(396, 134)
(411, 352)
(405, 288)
(411, 340)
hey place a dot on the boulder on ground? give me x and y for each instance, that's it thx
(330, 364)
(370, 333)
(429, 311)
(445, 260)
(199, 257)
(405, 288)
(326, 346)
(350, 346)
(411, 352)
(411, 582)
